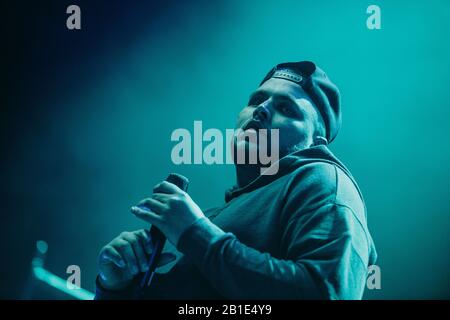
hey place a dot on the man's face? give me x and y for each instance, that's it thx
(283, 105)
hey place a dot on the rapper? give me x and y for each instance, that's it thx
(300, 233)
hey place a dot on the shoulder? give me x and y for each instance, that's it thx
(313, 185)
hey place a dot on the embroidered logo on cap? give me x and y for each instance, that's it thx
(288, 75)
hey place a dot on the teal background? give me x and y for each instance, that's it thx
(98, 136)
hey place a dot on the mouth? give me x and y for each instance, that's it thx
(253, 125)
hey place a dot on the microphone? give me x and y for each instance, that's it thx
(157, 237)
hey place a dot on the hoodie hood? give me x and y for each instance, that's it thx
(290, 163)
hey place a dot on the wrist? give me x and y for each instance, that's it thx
(185, 228)
(200, 237)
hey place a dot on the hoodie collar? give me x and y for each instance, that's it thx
(288, 164)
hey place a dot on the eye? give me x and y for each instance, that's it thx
(285, 109)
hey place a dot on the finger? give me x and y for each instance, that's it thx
(153, 204)
(146, 215)
(110, 254)
(161, 197)
(138, 249)
(166, 258)
(146, 240)
(166, 187)
(126, 251)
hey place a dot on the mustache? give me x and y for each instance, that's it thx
(253, 124)
(262, 131)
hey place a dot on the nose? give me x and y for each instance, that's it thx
(262, 113)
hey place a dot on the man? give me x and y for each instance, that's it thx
(298, 234)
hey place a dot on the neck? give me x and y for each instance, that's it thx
(246, 174)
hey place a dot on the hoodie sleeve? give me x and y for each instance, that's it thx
(320, 262)
(127, 293)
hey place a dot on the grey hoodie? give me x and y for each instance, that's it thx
(299, 234)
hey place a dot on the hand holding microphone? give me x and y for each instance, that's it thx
(125, 257)
(158, 239)
(170, 211)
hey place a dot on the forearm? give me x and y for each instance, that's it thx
(238, 271)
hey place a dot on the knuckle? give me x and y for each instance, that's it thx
(146, 235)
(176, 200)
(182, 194)
(155, 196)
(140, 233)
(123, 235)
(129, 236)
(157, 186)
(122, 244)
(115, 243)
(105, 251)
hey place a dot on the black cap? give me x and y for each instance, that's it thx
(324, 94)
